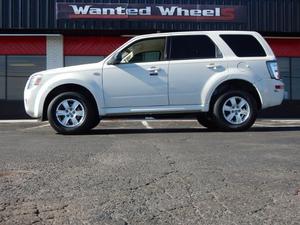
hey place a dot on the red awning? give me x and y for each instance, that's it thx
(102, 46)
(92, 45)
(285, 47)
(22, 45)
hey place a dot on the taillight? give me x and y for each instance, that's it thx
(273, 69)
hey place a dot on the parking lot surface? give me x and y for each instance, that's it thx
(150, 172)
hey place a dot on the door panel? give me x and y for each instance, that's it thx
(188, 77)
(194, 59)
(136, 84)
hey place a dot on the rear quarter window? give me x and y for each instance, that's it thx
(244, 45)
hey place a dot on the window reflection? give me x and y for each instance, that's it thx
(295, 74)
(79, 60)
(24, 66)
(284, 69)
(2, 77)
(19, 68)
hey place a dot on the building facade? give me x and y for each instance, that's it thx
(44, 34)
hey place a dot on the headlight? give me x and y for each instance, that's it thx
(34, 80)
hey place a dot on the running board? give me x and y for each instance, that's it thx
(154, 110)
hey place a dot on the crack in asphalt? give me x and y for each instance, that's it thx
(264, 207)
(33, 208)
(153, 181)
(217, 199)
(172, 165)
(169, 211)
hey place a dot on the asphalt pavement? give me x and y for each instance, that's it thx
(150, 172)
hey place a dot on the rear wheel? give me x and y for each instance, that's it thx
(207, 121)
(71, 112)
(96, 122)
(235, 111)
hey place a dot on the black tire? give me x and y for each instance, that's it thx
(207, 121)
(86, 122)
(96, 122)
(243, 118)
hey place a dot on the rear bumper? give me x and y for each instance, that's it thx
(272, 93)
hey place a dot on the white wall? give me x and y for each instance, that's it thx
(55, 52)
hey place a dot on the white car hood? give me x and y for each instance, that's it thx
(72, 69)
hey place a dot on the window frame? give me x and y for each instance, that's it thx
(25, 56)
(19, 77)
(205, 35)
(4, 76)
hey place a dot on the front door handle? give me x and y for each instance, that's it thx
(153, 71)
(213, 66)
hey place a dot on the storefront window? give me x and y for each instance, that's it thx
(2, 77)
(295, 74)
(285, 73)
(19, 68)
(79, 60)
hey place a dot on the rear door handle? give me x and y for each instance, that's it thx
(153, 71)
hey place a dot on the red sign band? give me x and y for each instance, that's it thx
(162, 12)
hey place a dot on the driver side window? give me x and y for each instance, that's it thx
(149, 50)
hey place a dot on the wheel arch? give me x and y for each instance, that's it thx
(238, 84)
(66, 88)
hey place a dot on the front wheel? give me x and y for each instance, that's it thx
(235, 111)
(72, 112)
(206, 120)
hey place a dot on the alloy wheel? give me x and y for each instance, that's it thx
(70, 113)
(236, 110)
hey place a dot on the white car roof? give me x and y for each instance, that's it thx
(197, 33)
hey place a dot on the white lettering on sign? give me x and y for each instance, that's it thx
(111, 11)
(164, 11)
(145, 12)
(81, 10)
(167, 11)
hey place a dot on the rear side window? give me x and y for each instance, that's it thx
(244, 45)
(193, 47)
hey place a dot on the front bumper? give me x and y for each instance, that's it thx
(30, 102)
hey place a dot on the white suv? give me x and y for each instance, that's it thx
(222, 77)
